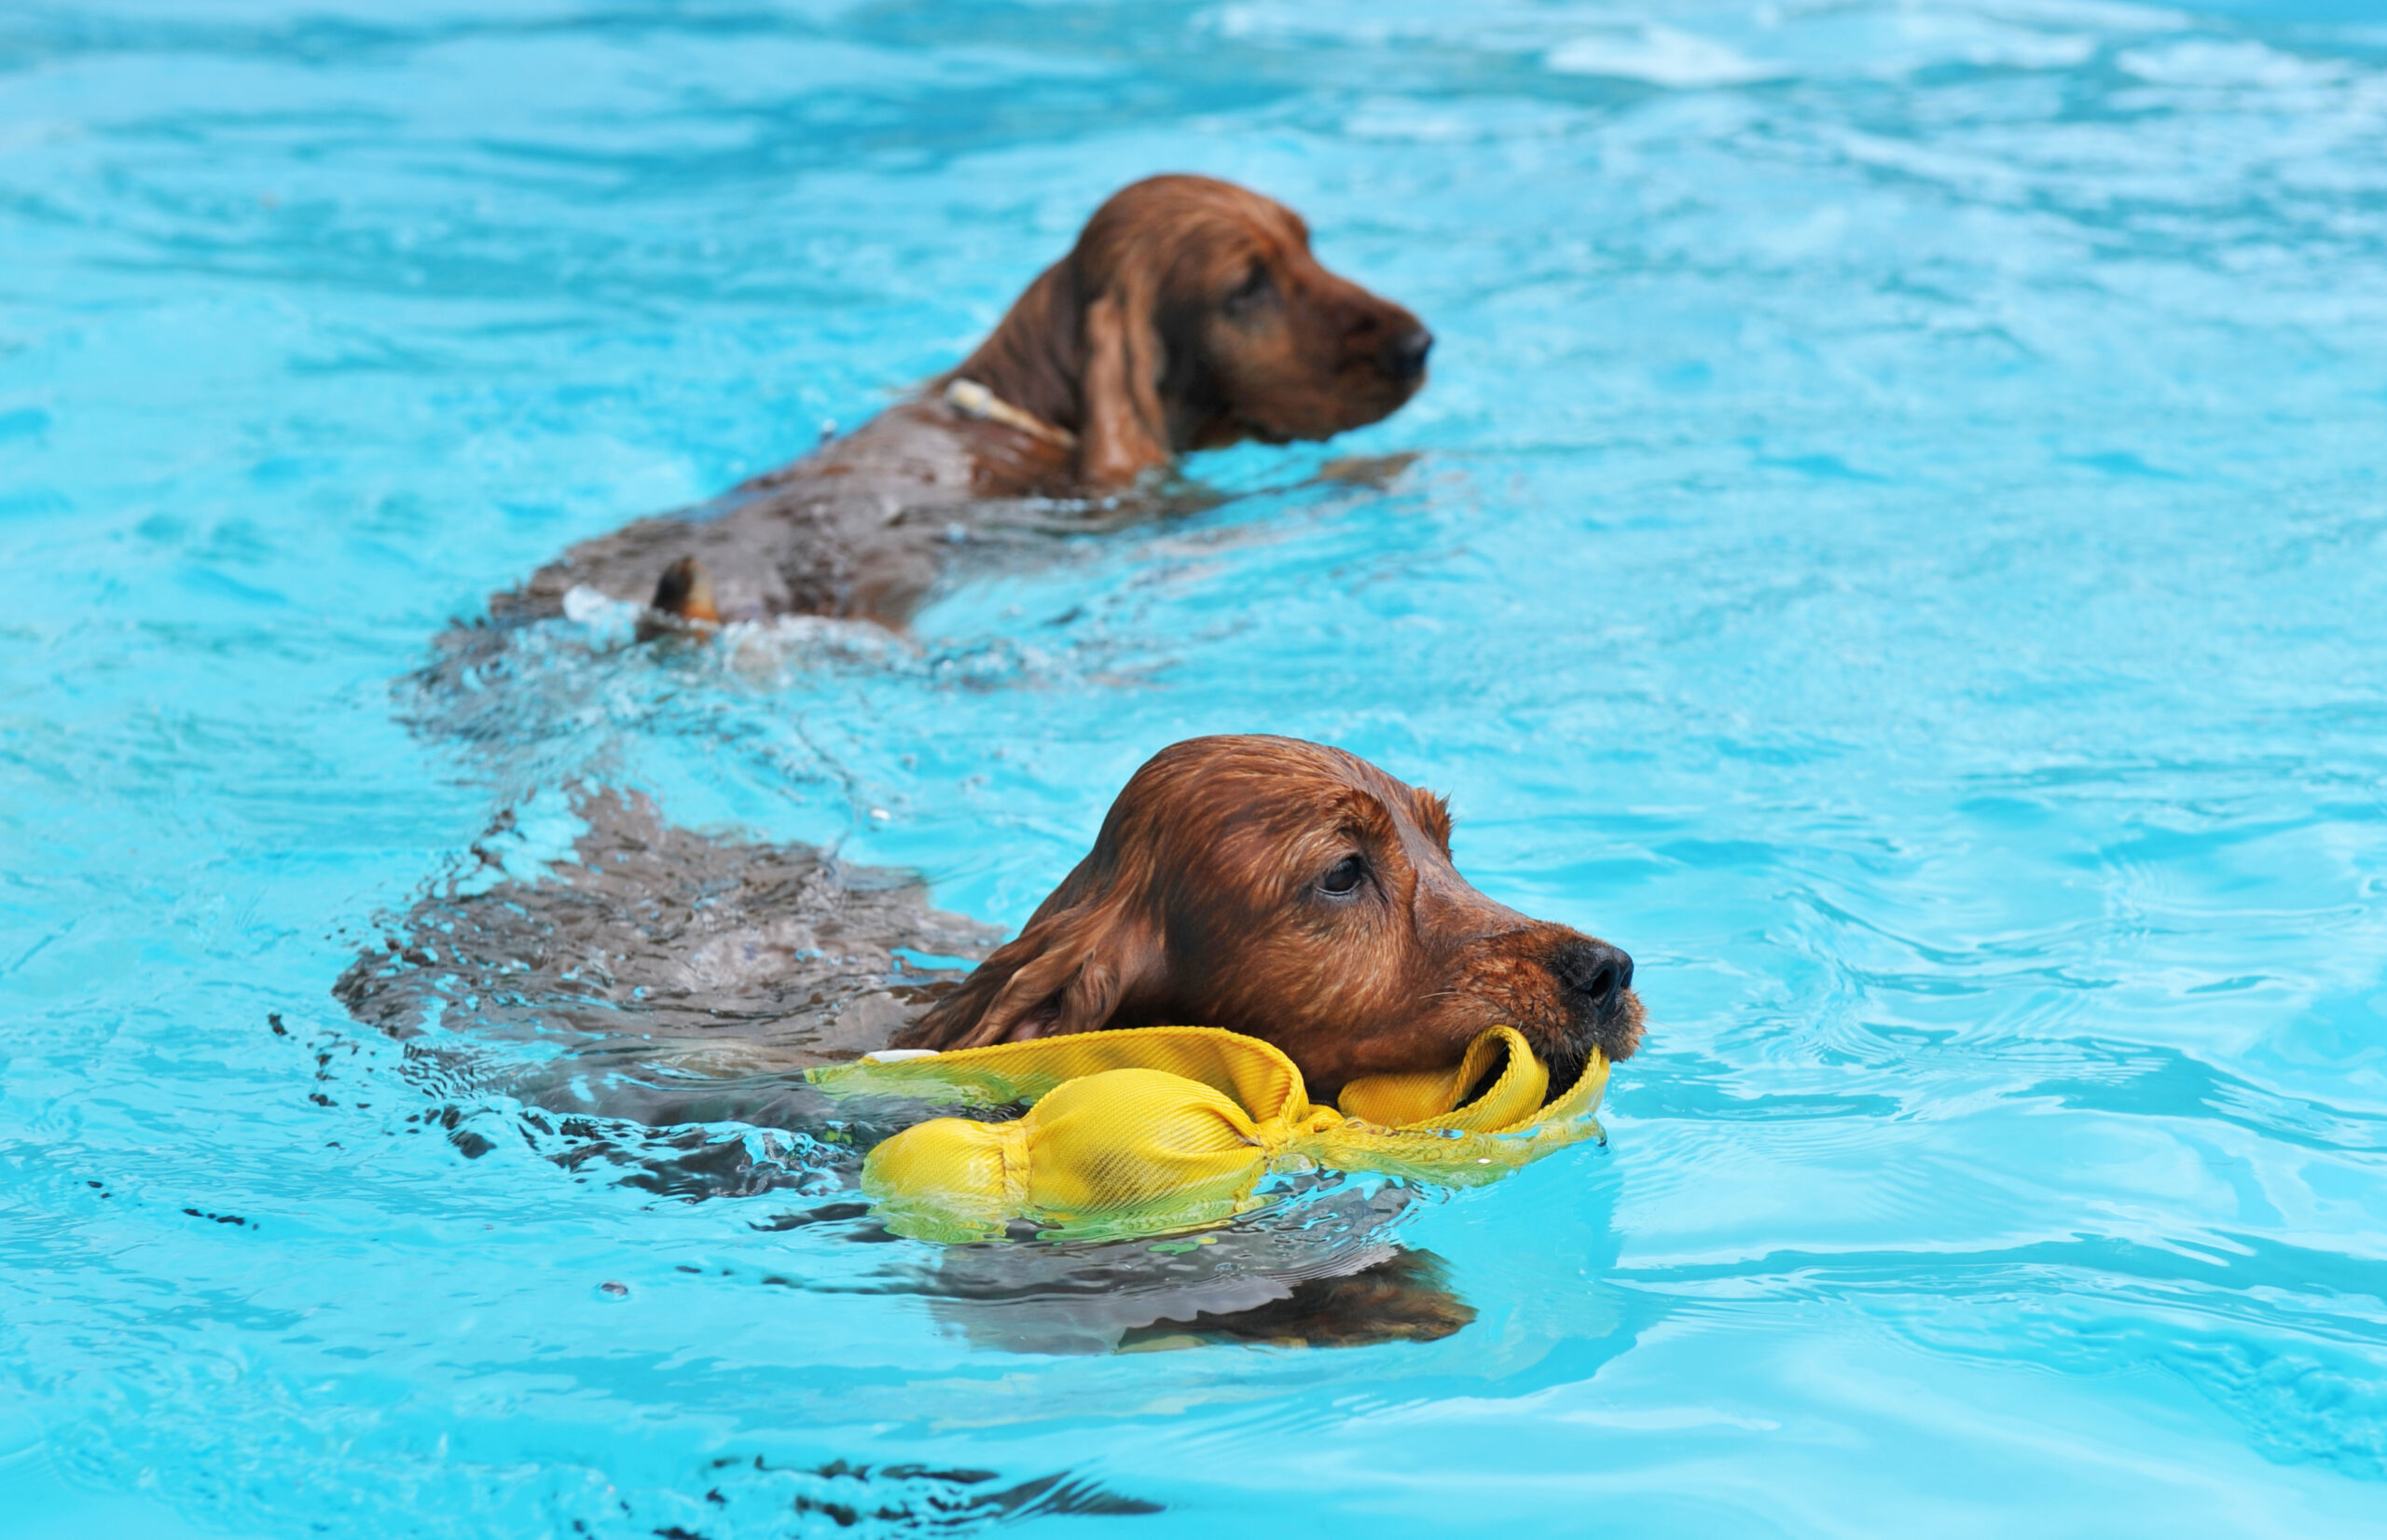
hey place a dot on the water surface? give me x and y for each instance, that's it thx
(1897, 542)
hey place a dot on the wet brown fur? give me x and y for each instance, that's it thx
(1204, 900)
(1190, 314)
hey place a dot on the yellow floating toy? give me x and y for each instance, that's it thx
(1146, 1130)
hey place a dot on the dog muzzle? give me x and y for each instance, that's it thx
(1148, 1130)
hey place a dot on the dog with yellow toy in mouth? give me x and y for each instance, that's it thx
(1358, 1008)
(1303, 905)
(1275, 924)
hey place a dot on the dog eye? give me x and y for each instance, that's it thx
(1345, 875)
(1252, 290)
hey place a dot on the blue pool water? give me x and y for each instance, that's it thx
(1898, 543)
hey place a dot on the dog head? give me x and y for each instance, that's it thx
(1301, 895)
(1191, 315)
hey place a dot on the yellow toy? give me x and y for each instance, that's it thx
(1146, 1130)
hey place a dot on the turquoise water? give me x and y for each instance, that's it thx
(1897, 543)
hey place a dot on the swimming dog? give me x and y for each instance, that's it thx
(659, 984)
(1189, 315)
(1284, 890)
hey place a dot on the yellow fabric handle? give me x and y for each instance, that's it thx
(1403, 1101)
(1147, 1130)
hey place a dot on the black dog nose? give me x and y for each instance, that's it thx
(1598, 972)
(1404, 358)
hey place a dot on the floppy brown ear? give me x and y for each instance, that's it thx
(1068, 971)
(1124, 429)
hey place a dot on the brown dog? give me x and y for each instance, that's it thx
(1299, 894)
(1288, 890)
(1189, 315)
(1278, 888)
